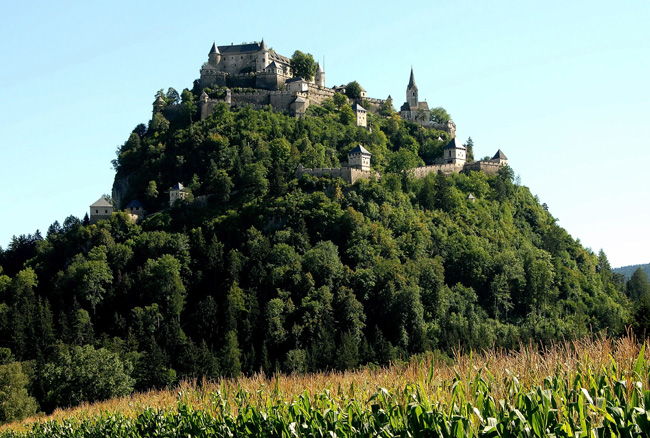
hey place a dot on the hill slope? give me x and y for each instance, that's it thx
(269, 272)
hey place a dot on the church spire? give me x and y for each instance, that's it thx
(412, 92)
(412, 79)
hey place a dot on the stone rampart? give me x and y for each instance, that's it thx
(256, 98)
(489, 167)
(421, 172)
(243, 80)
(347, 174)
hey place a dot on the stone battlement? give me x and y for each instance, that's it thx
(348, 174)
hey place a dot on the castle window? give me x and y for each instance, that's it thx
(96, 211)
(105, 211)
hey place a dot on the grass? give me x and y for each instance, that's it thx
(594, 384)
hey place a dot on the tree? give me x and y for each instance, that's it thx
(218, 183)
(159, 123)
(469, 145)
(152, 191)
(188, 107)
(89, 276)
(15, 401)
(638, 285)
(85, 374)
(230, 356)
(303, 65)
(164, 284)
(353, 90)
(402, 161)
(439, 115)
(347, 116)
(339, 100)
(386, 108)
(172, 96)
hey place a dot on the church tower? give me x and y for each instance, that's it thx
(412, 92)
(214, 57)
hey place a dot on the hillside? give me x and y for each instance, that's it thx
(627, 271)
(259, 270)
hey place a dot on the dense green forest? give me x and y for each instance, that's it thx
(274, 273)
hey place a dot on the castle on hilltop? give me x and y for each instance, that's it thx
(256, 76)
(249, 65)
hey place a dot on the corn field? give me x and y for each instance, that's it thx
(589, 388)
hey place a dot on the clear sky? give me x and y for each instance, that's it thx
(563, 88)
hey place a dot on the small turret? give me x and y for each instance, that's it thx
(500, 158)
(214, 57)
(204, 96)
(263, 45)
(159, 104)
(320, 76)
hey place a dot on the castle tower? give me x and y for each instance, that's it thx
(101, 209)
(262, 56)
(454, 153)
(360, 112)
(214, 57)
(412, 92)
(500, 158)
(175, 193)
(359, 158)
(320, 76)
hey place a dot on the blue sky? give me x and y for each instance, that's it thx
(561, 87)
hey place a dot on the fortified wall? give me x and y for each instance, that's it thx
(348, 174)
(280, 100)
(422, 171)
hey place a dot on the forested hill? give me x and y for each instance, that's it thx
(627, 271)
(266, 271)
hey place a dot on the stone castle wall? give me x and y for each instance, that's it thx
(490, 167)
(347, 174)
(421, 172)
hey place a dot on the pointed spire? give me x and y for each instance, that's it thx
(412, 79)
(319, 69)
(263, 45)
(214, 48)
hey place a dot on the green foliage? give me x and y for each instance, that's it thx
(353, 90)
(340, 100)
(303, 65)
(638, 286)
(277, 273)
(15, 401)
(81, 374)
(440, 115)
